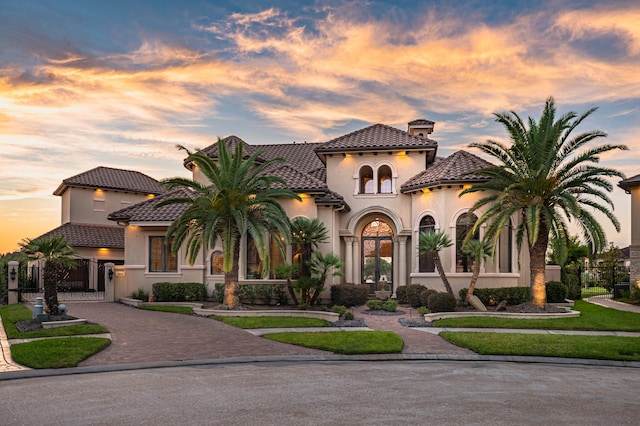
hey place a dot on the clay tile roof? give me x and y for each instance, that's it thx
(629, 183)
(420, 121)
(296, 180)
(231, 141)
(90, 235)
(447, 171)
(145, 211)
(116, 179)
(376, 137)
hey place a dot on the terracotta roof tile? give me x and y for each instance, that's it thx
(146, 212)
(89, 235)
(629, 183)
(296, 180)
(376, 137)
(448, 170)
(110, 178)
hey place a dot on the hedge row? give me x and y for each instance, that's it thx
(493, 296)
(349, 294)
(179, 292)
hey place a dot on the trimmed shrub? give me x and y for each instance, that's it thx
(423, 310)
(424, 296)
(574, 292)
(349, 294)
(375, 305)
(390, 305)
(556, 292)
(339, 309)
(218, 293)
(280, 294)
(179, 292)
(248, 293)
(493, 296)
(441, 302)
(265, 292)
(410, 295)
(140, 295)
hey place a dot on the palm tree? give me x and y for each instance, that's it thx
(306, 235)
(324, 266)
(543, 178)
(478, 251)
(58, 256)
(239, 198)
(430, 243)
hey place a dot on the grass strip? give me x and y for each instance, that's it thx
(12, 314)
(592, 318)
(546, 345)
(273, 322)
(57, 353)
(344, 342)
(167, 308)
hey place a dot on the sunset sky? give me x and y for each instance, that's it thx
(119, 83)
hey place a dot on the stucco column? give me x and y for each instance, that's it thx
(109, 280)
(634, 267)
(402, 267)
(348, 260)
(355, 270)
(13, 270)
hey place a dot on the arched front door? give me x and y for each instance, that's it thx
(377, 255)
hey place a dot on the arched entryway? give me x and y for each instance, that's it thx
(377, 254)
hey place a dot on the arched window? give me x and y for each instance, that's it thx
(367, 185)
(217, 260)
(384, 180)
(463, 225)
(505, 248)
(425, 262)
(254, 263)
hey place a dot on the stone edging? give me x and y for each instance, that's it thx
(56, 324)
(443, 315)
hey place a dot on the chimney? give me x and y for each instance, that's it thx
(421, 127)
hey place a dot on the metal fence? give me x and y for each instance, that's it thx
(599, 280)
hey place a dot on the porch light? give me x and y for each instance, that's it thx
(13, 273)
(110, 274)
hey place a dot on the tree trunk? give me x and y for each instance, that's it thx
(292, 292)
(231, 285)
(537, 254)
(474, 280)
(443, 276)
(51, 288)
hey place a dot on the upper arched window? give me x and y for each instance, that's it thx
(384, 180)
(463, 225)
(426, 263)
(367, 184)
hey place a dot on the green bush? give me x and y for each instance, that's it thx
(556, 292)
(218, 293)
(493, 296)
(634, 292)
(423, 310)
(248, 293)
(374, 305)
(410, 295)
(140, 295)
(179, 292)
(280, 294)
(265, 292)
(424, 296)
(348, 316)
(349, 294)
(339, 309)
(574, 292)
(390, 305)
(441, 302)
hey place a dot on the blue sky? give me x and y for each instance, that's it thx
(120, 83)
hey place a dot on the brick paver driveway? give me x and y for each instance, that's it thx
(146, 336)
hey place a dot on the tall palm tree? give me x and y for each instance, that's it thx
(240, 197)
(431, 243)
(58, 256)
(306, 235)
(543, 178)
(478, 250)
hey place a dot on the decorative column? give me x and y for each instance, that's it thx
(402, 270)
(13, 271)
(348, 260)
(109, 278)
(355, 270)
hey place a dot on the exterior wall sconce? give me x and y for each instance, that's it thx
(110, 274)
(13, 273)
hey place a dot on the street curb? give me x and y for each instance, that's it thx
(573, 362)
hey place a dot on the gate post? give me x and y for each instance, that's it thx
(109, 277)
(13, 271)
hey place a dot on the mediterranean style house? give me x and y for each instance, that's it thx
(87, 199)
(632, 186)
(375, 190)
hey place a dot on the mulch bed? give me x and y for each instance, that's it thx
(33, 324)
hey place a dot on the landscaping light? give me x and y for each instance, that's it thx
(110, 274)
(13, 273)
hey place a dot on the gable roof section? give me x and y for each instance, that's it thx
(629, 183)
(146, 211)
(89, 235)
(110, 178)
(448, 171)
(298, 181)
(378, 137)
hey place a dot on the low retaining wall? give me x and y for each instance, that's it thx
(328, 316)
(443, 315)
(56, 324)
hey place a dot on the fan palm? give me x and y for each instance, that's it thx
(544, 178)
(58, 256)
(431, 243)
(306, 235)
(240, 197)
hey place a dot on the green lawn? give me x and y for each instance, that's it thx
(167, 308)
(566, 346)
(344, 342)
(273, 322)
(57, 353)
(12, 314)
(593, 317)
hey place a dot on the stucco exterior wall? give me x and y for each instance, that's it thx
(84, 205)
